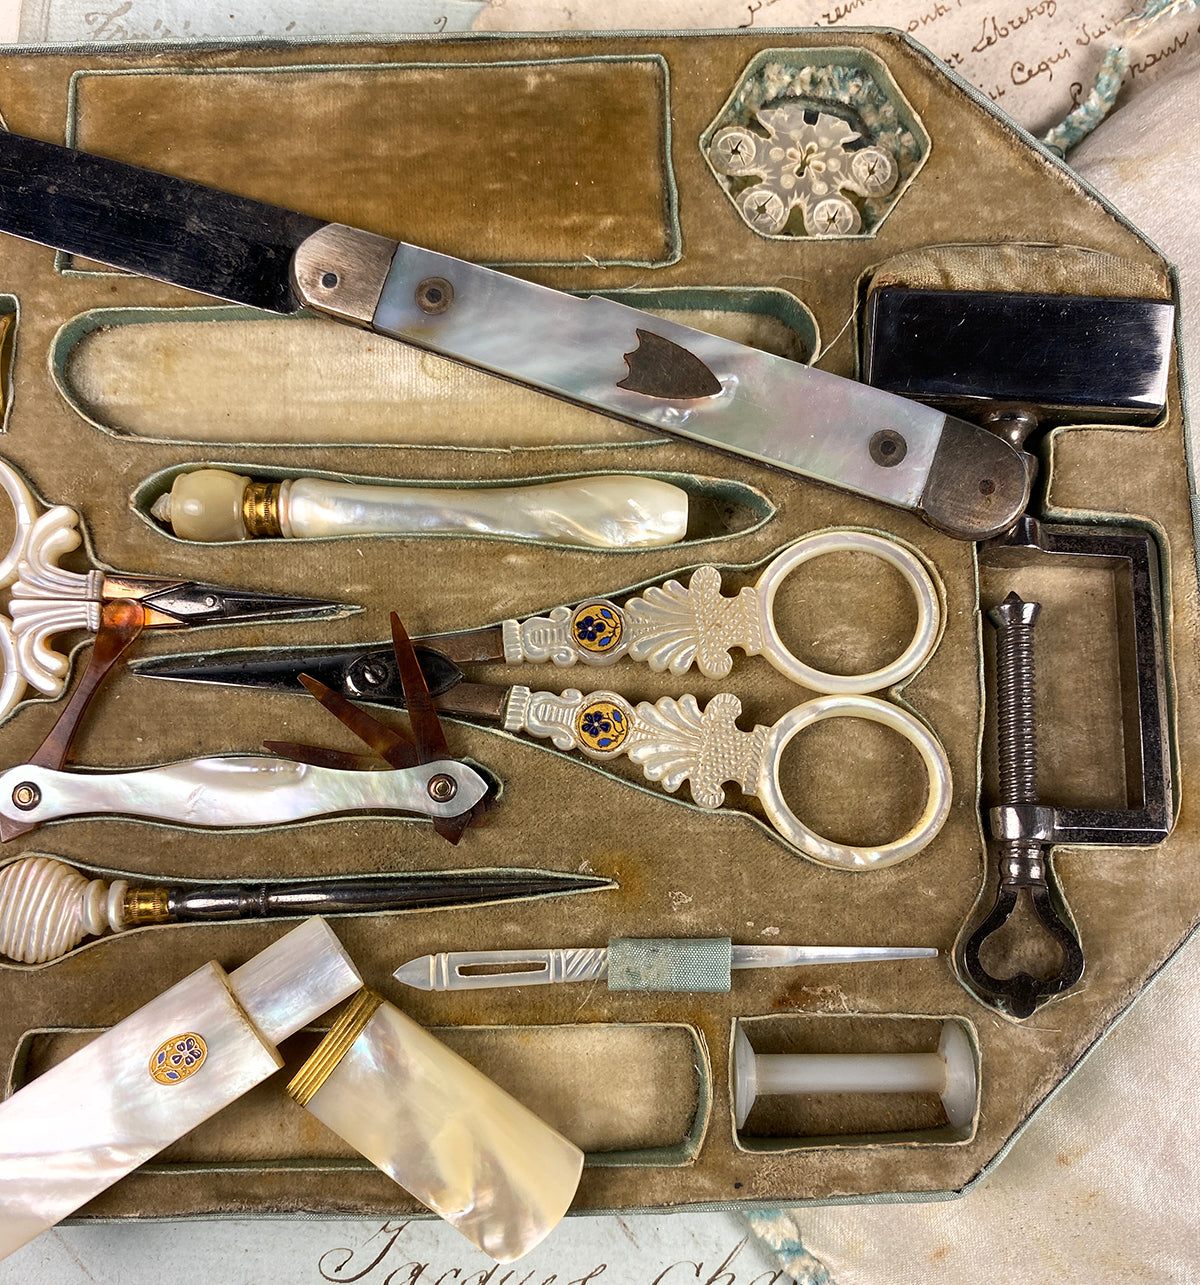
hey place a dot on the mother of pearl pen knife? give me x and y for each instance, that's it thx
(960, 478)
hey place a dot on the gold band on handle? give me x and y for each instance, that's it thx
(342, 1034)
(260, 510)
(145, 906)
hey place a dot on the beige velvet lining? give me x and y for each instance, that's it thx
(1052, 269)
(681, 871)
(531, 194)
(289, 382)
(609, 1088)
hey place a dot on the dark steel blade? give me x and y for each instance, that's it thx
(151, 224)
(193, 603)
(350, 671)
(376, 893)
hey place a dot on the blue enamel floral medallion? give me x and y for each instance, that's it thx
(597, 627)
(178, 1059)
(601, 724)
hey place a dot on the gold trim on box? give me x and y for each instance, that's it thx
(342, 1034)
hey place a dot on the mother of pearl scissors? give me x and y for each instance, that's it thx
(669, 627)
(46, 599)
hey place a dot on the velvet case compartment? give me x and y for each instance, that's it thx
(428, 141)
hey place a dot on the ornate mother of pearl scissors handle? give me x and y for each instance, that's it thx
(675, 626)
(674, 740)
(47, 599)
(672, 627)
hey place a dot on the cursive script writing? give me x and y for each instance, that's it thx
(1143, 65)
(939, 10)
(996, 29)
(839, 11)
(376, 1262)
(1089, 31)
(1022, 73)
(720, 1275)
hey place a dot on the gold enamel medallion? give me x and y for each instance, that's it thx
(178, 1058)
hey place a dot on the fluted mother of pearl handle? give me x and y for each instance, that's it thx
(674, 740)
(605, 511)
(47, 908)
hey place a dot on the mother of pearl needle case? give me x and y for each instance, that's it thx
(147, 1081)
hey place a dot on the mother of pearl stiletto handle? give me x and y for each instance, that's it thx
(602, 511)
(46, 908)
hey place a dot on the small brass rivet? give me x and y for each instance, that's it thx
(442, 788)
(26, 796)
(434, 294)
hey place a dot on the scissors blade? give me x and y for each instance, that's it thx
(427, 727)
(191, 602)
(361, 675)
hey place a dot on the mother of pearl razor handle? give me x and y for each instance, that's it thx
(603, 511)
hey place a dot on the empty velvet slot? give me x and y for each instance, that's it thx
(646, 1101)
(148, 373)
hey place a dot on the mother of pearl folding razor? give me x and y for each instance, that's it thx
(602, 354)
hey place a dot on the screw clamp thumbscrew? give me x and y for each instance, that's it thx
(1023, 828)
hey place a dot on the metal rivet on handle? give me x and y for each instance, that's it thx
(887, 448)
(442, 788)
(26, 796)
(434, 294)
